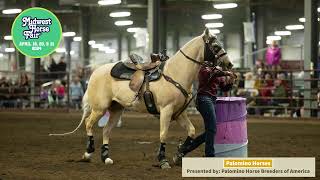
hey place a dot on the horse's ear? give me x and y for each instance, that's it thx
(207, 32)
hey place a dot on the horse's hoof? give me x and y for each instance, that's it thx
(86, 156)
(108, 161)
(164, 164)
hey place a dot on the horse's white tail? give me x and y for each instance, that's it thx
(86, 112)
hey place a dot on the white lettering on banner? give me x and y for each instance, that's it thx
(248, 167)
(35, 27)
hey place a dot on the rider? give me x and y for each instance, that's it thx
(209, 82)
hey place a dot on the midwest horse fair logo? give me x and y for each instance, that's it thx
(36, 32)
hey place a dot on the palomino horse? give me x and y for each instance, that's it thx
(107, 93)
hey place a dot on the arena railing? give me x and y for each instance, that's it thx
(34, 93)
(33, 97)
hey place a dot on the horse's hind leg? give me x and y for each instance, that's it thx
(94, 116)
(115, 113)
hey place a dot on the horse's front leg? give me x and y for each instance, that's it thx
(186, 147)
(165, 118)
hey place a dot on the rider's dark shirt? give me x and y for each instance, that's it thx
(207, 85)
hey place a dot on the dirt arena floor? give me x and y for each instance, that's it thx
(27, 152)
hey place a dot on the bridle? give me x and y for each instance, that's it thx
(214, 48)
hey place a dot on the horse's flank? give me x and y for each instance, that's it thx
(103, 88)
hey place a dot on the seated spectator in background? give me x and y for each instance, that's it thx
(279, 91)
(60, 91)
(81, 74)
(9, 93)
(249, 91)
(249, 80)
(278, 94)
(236, 85)
(4, 91)
(273, 56)
(318, 98)
(44, 96)
(24, 80)
(52, 96)
(24, 85)
(297, 102)
(53, 68)
(76, 93)
(21, 90)
(4, 82)
(249, 85)
(284, 82)
(260, 67)
(265, 91)
(61, 68)
(258, 82)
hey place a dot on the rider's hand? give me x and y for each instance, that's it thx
(231, 74)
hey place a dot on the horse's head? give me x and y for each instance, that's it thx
(214, 54)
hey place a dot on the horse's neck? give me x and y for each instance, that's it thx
(181, 69)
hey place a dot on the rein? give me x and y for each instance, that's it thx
(191, 59)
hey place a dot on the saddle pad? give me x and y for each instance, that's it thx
(120, 71)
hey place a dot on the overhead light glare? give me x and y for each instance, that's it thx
(282, 33)
(133, 29)
(304, 19)
(294, 27)
(77, 38)
(214, 31)
(108, 2)
(97, 46)
(11, 11)
(214, 25)
(8, 38)
(211, 16)
(91, 42)
(68, 34)
(9, 50)
(274, 38)
(225, 6)
(60, 50)
(120, 14)
(123, 23)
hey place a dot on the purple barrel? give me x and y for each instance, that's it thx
(231, 139)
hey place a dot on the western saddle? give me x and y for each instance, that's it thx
(142, 70)
(139, 73)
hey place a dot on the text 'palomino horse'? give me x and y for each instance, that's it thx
(106, 93)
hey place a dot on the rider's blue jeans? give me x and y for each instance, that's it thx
(206, 106)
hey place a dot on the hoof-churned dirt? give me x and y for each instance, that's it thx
(27, 152)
